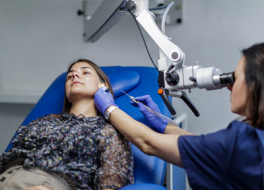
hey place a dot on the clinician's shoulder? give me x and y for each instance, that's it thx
(246, 157)
(241, 128)
(247, 137)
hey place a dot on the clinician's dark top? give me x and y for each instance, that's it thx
(228, 159)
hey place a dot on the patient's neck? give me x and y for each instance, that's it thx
(84, 107)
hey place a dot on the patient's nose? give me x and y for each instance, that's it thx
(75, 74)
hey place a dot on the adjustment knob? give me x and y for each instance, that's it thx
(80, 12)
(172, 78)
(174, 55)
(130, 5)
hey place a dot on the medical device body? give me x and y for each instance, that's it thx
(174, 75)
(209, 78)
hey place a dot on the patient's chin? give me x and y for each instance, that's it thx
(78, 95)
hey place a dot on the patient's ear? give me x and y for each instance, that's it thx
(101, 85)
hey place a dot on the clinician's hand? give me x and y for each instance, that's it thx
(155, 121)
(103, 99)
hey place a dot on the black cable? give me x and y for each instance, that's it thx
(158, 8)
(151, 9)
(143, 40)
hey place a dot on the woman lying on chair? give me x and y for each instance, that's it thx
(75, 149)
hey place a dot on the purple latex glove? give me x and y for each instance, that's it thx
(155, 121)
(103, 99)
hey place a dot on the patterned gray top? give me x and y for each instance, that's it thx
(89, 150)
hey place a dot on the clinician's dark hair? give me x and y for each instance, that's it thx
(102, 77)
(254, 74)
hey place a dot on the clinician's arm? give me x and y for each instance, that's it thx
(164, 146)
(172, 129)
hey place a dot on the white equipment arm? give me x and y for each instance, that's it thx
(177, 76)
(174, 76)
(172, 51)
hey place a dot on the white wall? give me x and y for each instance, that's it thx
(38, 39)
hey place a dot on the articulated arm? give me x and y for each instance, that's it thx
(177, 76)
(173, 52)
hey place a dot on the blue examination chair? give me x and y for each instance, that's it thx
(149, 171)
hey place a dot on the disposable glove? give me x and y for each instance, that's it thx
(103, 99)
(155, 121)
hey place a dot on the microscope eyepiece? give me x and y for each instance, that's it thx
(227, 78)
(224, 79)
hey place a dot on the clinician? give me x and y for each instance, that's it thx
(231, 158)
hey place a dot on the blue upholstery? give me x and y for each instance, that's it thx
(144, 186)
(125, 81)
(136, 81)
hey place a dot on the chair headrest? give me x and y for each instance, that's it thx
(125, 80)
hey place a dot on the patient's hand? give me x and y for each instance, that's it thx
(38, 188)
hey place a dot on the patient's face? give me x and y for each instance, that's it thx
(82, 82)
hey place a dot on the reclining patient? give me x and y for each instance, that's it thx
(77, 149)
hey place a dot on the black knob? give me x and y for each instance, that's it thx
(80, 12)
(172, 78)
(179, 20)
(192, 79)
(130, 5)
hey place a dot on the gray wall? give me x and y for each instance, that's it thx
(11, 116)
(38, 39)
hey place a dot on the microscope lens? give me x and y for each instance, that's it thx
(227, 78)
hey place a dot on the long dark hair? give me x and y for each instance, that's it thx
(254, 74)
(102, 77)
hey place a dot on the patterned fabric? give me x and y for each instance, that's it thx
(87, 149)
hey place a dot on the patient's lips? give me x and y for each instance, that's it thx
(76, 82)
